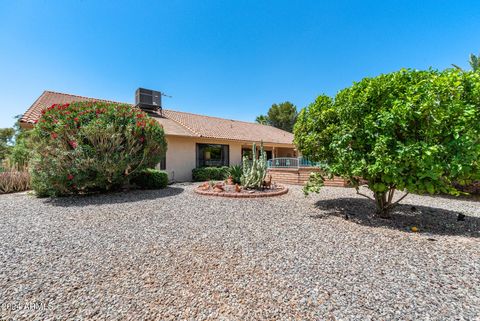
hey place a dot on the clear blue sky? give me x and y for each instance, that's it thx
(230, 59)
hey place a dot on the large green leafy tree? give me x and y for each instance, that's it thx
(413, 131)
(281, 115)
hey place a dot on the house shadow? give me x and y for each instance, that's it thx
(114, 197)
(431, 220)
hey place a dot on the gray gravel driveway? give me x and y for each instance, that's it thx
(172, 254)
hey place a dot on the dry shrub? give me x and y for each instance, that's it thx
(14, 181)
(471, 188)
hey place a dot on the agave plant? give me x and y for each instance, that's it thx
(235, 171)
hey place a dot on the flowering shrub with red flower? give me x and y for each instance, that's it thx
(86, 147)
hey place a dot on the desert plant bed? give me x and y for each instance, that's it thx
(223, 189)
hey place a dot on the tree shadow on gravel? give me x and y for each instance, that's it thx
(114, 197)
(404, 216)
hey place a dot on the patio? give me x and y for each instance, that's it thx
(173, 254)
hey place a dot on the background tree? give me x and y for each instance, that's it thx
(6, 136)
(20, 152)
(413, 131)
(281, 115)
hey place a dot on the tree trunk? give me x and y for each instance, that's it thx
(382, 204)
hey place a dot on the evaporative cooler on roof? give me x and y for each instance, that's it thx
(149, 100)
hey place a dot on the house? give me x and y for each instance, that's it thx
(193, 140)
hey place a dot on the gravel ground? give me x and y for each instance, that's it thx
(172, 254)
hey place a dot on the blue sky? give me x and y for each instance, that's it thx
(230, 59)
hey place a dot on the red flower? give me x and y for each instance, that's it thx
(54, 135)
(70, 177)
(73, 144)
(75, 119)
(35, 121)
(142, 139)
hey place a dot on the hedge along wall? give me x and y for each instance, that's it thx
(92, 147)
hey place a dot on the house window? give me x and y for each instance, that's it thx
(210, 155)
(162, 165)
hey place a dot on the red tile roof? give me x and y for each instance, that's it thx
(179, 123)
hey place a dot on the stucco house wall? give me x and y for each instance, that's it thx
(181, 155)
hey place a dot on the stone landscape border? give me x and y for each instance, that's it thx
(283, 191)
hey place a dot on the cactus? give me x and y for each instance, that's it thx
(254, 172)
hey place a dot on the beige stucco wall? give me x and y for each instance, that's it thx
(181, 155)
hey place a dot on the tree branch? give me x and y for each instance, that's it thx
(391, 192)
(395, 203)
(364, 195)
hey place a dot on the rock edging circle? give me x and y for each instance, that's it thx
(283, 190)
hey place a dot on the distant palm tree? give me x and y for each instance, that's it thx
(474, 63)
(262, 119)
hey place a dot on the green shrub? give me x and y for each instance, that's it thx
(235, 171)
(209, 173)
(89, 147)
(151, 179)
(414, 131)
(14, 181)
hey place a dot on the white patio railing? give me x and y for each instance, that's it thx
(290, 162)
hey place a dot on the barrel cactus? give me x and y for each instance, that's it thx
(254, 171)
